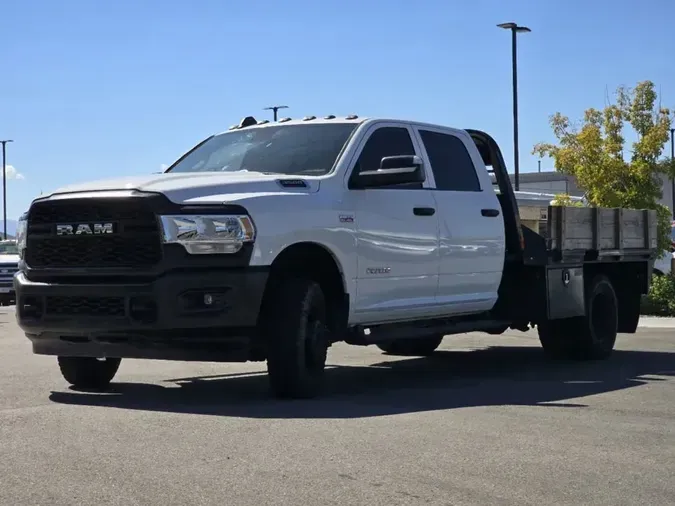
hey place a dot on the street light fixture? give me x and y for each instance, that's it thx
(4, 187)
(275, 108)
(515, 29)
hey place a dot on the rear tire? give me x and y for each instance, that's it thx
(589, 337)
(411, 347)
(87, 372)
(298, 339)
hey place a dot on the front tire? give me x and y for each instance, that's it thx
(412, 347)
(298, 339)
(589, 337)
(87, 372)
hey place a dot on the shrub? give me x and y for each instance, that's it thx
(661, 298)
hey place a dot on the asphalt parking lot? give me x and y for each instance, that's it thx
(487, 420)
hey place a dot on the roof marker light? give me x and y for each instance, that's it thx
(247, 121)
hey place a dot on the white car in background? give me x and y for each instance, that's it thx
(9, 264)
(663, 264)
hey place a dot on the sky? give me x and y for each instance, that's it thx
(92, 89)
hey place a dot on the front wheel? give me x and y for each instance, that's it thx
(411, 347)
(297, 339)
(588, 337)
(88, 372)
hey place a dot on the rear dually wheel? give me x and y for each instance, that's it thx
(588, 337)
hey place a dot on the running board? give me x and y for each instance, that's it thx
(365, 335)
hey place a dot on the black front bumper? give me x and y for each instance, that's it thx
(206, 315)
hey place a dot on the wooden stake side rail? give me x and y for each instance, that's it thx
(608, 232)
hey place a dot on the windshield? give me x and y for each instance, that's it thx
(309, 150)
(8, 248)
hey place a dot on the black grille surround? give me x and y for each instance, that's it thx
(135, 241)
(135, 250)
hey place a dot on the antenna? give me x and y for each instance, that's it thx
(275, 109)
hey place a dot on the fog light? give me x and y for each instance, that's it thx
(208, 299)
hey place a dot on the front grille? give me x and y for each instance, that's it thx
(84, 306)
(89, 210)
(135, 242)
(92, 252)
(7, 275)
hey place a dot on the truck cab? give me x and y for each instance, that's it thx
(427, 247)
(271, 241)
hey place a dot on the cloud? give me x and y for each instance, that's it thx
(163, 167)
(12, 173)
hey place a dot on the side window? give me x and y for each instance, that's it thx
(386, 141)
(450, 161)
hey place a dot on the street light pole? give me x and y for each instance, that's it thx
(275, 108)
(4, 187)
(672, 168)
(515, 29)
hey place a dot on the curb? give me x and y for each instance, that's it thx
(656, 322)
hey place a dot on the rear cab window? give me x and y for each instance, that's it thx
(450, 161)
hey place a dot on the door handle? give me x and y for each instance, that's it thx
(490, 213)
(424, 211)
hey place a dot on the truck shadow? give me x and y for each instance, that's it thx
(518, 376)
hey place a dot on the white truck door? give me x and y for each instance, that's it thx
(396, 235)
(472, 237)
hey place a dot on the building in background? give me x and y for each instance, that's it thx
(554, 182)
(548, 182)
(538, 189)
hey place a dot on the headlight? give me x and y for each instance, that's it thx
(21, 229)
(208, 235)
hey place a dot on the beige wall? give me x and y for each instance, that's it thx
(531, 215)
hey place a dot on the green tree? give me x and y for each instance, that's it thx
(563, 199)
(595, 153)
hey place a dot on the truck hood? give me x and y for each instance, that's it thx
(9, 259)
(197, 187)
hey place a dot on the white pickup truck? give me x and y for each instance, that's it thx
(9, 264)
(271, 241)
